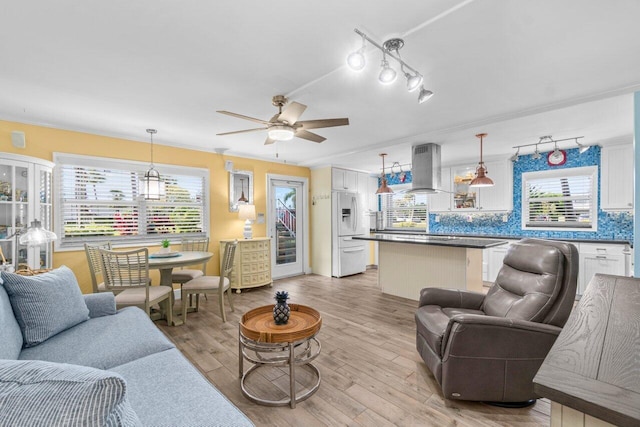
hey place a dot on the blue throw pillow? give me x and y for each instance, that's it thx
(34, 392)
(45, 304)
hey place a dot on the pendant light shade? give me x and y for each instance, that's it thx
(384, 188)
(152, 186)
(481, 179)
(242, 198)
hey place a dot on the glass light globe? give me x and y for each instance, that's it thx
(356, 61)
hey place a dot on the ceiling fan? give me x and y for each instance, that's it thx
(285, 125)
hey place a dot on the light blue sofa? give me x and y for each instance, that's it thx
(162, 386)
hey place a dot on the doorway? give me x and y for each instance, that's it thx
(287, 225)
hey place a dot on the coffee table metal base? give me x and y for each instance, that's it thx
(291, 354)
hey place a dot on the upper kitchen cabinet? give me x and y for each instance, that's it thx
(497, 198)
(616, 185)
(344, 179)
(441, 202)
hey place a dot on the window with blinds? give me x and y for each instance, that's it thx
(403, 210)
(565, 199)
(100, 199)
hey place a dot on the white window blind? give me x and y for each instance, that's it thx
(564, 199)
(99, 199)
(404, 210)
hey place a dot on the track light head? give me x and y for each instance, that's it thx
(582, 148)
(536, 154)
(516, 156)
(356, 60)
(413, 82)
(424, 95)
(387, 75)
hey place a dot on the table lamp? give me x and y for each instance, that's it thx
(248, 213)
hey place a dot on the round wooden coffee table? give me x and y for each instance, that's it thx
(264, 343)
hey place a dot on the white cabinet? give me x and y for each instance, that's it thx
(441, 202)
(372, 197)
(500, 196)
(496, 198)
(616, 186)
(344, 179)
(601, 258)
(496, 258)
(25, 196)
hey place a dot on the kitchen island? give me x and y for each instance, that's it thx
(408, 263)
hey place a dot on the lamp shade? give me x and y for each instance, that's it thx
(247, 212)
(36, 235)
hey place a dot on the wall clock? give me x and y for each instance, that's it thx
(557, 157)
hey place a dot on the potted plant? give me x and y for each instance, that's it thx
(165, 246)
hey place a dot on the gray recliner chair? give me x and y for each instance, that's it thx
(489, 347)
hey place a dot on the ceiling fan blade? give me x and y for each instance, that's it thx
(301, 133)
(269, 141)
(274, 119)
(292, 112)
(240, 131)
(323, 123)
(240, 116)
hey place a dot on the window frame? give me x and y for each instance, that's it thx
(591, 171)
(398, 190)
(139, 168)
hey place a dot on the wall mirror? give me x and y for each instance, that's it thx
(240, 189)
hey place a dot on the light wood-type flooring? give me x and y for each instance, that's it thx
(371, 372)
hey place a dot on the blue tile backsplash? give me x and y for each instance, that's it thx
(611, 225)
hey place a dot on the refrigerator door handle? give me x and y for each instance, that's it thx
(354, 203)
(357, 249)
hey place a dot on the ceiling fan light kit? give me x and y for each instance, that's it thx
(481, 179)
(285, 125)
(356, 61)
(556, 157)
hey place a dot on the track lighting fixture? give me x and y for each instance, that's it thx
(556, 153)
(387, 75)
(481, 179)
(356, 60)
(582, 148)
(536, 154)
(390, 48)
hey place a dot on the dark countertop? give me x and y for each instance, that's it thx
(440, 240)
(502, 237)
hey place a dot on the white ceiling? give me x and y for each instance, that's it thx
(514, 69)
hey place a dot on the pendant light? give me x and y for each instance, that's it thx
(384, 188)
(152, 185)
(481, 179)
(242, 198)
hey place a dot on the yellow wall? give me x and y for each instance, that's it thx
(42, 142)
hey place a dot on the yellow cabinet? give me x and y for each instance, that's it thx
(252, 263)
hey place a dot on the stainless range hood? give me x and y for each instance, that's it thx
(425, 168)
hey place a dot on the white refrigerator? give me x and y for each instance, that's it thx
(348, 219)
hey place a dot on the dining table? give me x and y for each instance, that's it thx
(166, 262)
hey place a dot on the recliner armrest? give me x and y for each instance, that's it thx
(100, 304)
(481, 336)
(454, 298)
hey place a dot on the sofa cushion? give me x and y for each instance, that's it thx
(162, 385)
(10, 333)
(45, 304)
(44, 393)
(103, 342)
